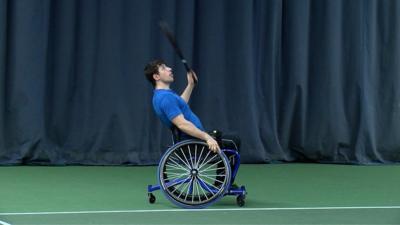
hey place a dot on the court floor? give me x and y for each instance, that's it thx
(277, 194)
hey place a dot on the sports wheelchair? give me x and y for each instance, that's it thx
(192, 176)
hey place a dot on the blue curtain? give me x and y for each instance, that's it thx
(298, 80)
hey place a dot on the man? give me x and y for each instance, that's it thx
(173, 110)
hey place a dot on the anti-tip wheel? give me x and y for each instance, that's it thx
(152, 198)
(240, 200)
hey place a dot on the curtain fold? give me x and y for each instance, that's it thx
(298, 80)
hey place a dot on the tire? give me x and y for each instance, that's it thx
(240, 200)
(152, 198)
(188, 174)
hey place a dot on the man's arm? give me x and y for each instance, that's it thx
(187, 127)
(191, 76)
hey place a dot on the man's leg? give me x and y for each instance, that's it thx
(232, 142)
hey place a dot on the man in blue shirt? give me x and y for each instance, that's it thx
(173, 110)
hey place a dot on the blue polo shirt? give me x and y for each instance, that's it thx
(167, 105)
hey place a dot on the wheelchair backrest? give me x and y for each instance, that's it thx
(176, 134)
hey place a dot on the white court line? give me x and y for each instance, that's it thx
(4, 223)
(202, 210)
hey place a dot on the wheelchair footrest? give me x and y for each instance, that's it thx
(237, 191)
(151, 188)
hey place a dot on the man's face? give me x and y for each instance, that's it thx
(164, 74)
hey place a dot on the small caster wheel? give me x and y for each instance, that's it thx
(152, 198)
(240, 200)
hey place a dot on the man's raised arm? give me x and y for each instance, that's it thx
(191, 77)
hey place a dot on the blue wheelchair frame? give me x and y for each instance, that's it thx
(229, 189)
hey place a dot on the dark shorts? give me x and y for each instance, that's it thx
(226, 141)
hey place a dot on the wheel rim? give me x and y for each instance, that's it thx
(192, 175)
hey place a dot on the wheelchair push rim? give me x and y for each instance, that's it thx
(191, 176)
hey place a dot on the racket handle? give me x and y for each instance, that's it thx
(188, 69)
(186, 65)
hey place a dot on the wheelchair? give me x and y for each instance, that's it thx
(191, 176)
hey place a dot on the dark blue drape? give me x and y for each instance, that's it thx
(298, 80)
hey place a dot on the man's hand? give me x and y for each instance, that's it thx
(192, 77)
(192, 80)
(213, 144)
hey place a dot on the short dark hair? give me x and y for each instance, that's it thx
(152, 68)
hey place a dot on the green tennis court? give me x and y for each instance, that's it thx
(277, 194)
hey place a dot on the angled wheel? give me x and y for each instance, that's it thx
(192, 176)
(152, 198)
(240, 200)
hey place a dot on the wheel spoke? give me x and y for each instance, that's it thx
(205, 183)
(176, 167)
(174, 182)
(212, 178)
(205, 158)
(187, 161)
(198, 162)
(209, 184)
(213, 169)
(182, 160)
(174, 177)
(209, 179)
(176, 188)
(194, 189)
(183, 189)
(179, 165)
(191, 159)
(195, 154)
(189, 187)
(203, 164)
(214, 175)
(202, 189)
(179, 174)
(210, 166)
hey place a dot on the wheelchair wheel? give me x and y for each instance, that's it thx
(192, 176)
